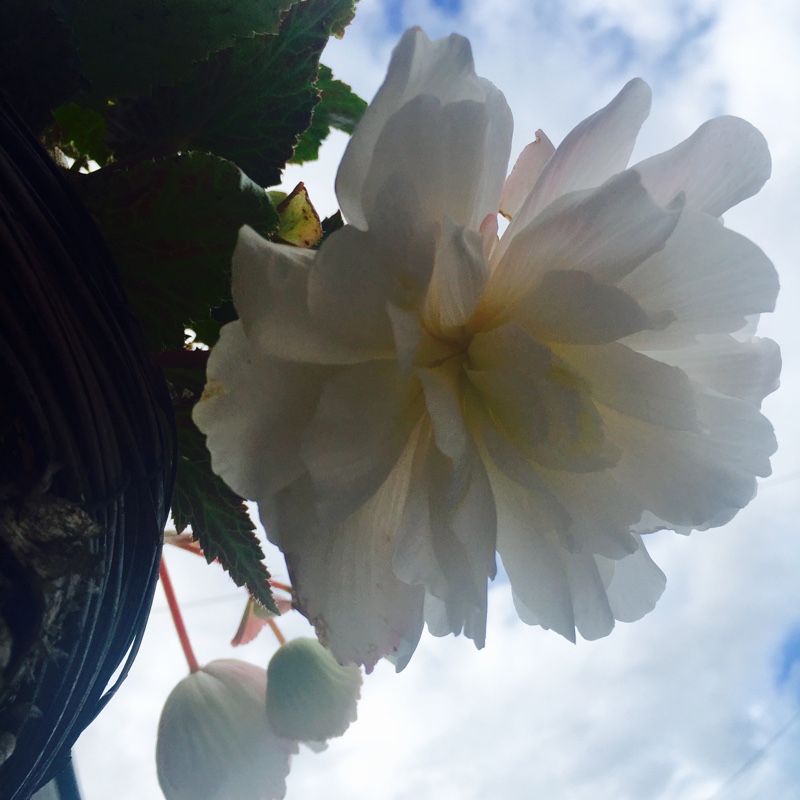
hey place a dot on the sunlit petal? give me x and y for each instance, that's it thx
(725, 161)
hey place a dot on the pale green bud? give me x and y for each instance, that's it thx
(310, 696)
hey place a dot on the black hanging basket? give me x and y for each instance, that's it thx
(86, 468)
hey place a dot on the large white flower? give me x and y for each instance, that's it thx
(418, 394)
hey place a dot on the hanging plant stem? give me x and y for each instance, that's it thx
(174, 609)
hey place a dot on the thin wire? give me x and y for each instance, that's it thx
(789, 478)
(754, 758)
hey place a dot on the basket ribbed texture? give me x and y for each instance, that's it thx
(93, 411)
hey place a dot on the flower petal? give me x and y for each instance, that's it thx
(687, 478)
(359, 429)
(532, 557)
(748, 370)
(634, 384)
(460, 272)
(535, 403)
(526, 171)
(591, 153)
(342, 575)
(606, 233)
(635, 585)
(570, 307)
(270, 292)
(440, 151)
(708, 278)
(253, 411)
(725, 161)
(424, 75)
(447, 538)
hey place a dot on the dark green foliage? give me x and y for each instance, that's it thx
(189, 108)
(172, 227)
(127, 46)
(39, 67)
(248, 103)
(80, 133)
(218, 517)
(339, 107)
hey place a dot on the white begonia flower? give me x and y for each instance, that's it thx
(214, 741)
(418, 394)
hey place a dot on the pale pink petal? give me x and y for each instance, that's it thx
(591, 153)
(360, 426)
(488, 230)
(527, 169)
(726, 160)
(253, 412)
(421, 73)
(270, 292)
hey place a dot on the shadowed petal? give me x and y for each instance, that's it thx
(342, 575)
(688, 478)
(708, 278)
(270, 292)
(359, 429)
(253, 412)
(606, 234)
(635, 584)
(748, 370)
(423, 73)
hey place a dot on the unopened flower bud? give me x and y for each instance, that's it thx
(214, 742)
(310, 696)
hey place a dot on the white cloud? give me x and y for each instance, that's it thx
(666, 708)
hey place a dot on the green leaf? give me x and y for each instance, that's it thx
(127, 46)
(248, 103)
(39, 67)
(172, 226)
(218, 517)
(340, 107)
(80, 133)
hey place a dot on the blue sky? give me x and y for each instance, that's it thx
(668, 708)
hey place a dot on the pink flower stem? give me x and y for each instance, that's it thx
(174, 609)
(279, 585)
(277, 631)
